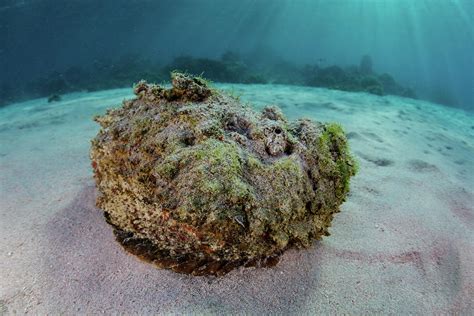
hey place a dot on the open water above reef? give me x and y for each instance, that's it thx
(424, 45)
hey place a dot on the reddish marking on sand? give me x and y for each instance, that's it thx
(459, 202)
(465, 214)
(439, 254)
(408, 257)
(462, 302)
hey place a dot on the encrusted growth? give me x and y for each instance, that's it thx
(197, 183)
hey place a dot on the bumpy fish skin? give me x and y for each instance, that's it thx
(194, 181)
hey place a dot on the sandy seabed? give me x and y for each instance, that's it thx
(403, 242)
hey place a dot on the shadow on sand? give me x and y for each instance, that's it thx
(89, 272)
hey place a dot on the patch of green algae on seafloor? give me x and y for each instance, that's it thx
(196, 182)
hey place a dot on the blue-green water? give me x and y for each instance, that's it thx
(398, 75)
(47, 48)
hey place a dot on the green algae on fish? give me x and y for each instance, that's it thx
(194, 181)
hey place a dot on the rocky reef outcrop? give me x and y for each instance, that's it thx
(196, 182)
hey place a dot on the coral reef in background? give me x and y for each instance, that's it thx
(229, 68)
(356, 79)
(194, 181)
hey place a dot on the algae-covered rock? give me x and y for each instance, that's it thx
(196, 182)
